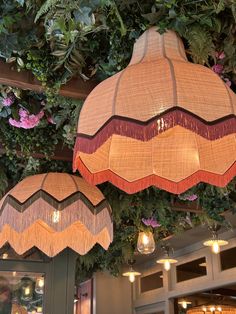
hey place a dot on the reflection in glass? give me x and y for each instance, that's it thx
(21, 293)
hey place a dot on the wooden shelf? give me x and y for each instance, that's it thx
(75, 88)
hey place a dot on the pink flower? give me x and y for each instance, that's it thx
(8, 101)
(15, 123)
(26, 121)
(192, 197)
(50, 120)
(218, 68)
(188, 197)
(220, 55)
(228, 82)
(151, 222)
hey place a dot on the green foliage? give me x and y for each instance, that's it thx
(59, 39)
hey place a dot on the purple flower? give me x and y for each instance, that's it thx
(151, 222)
(188, 197)
(218, 68)
(192, 197)
(8, 101)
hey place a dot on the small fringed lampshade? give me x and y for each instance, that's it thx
(52, 212)
(162, 121)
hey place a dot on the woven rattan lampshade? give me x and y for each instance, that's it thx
(27, 215)
(161, 121)
(219, 309)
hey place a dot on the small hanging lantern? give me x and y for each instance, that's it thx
(215, 242)
(212, 309)
(146, 243)
(131, 274)
(27, 289)
(184, 303)
(54, 211)
(162, 121)
(167, 260)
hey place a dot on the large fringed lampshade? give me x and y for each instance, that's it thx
(215, 309)
(52, 212)
(162, 121)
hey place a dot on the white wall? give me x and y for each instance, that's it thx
(112, 295)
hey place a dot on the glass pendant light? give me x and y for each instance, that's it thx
(146, 242)
(215, 243)
(167, 260)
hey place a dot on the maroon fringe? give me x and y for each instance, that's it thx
(220, 180)
(146, 131)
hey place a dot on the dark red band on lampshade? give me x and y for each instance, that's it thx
(154, 180)
(145, 131)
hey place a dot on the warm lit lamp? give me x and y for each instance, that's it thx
(184, 304)
(39, 286)
(146, 242)
(167, 261)
(70, 208)
(131, 273)
(212, 308)
(215, 243)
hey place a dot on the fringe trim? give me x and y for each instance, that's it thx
(145, 131)
(54, 203)
(220, 180)
(75, 213)
(76, 237)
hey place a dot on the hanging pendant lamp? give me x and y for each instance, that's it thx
(28, 212)
(162, 121)
(211, 308)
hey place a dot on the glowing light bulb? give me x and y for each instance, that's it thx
(56, 215)
(27, 291)
(131, 277)
(212, 309)
(39, 309)
(131, 274)
(204, 309)
(219, 309)
(41, 282)
(14, 273)
(146, 242)
(145, 239)
(167, 265)
(184, 304)
(5, 256)
(215, 247)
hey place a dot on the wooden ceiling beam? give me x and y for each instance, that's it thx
(75, 88)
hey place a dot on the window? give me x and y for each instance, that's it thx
(227, 259)
(151, 282)
(191, 270)
(21, 292)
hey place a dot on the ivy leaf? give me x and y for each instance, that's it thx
(83, 15)
(21, 2)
